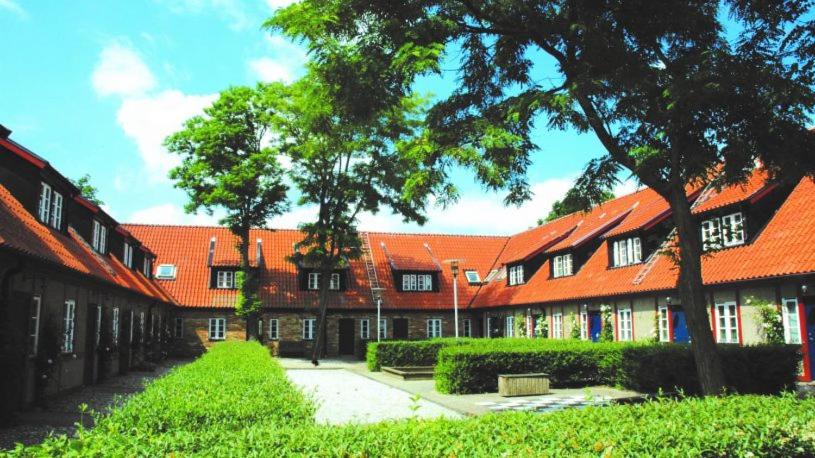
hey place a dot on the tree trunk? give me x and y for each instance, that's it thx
(319, 341)
(703, 345)
(248, 290)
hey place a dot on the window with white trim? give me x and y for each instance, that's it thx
(472, 277)
(792, 320)
(626, 252)
(365, 329)
(383, 328)
(562, 265)
(417, 282)
(468, 328)
(45, 203)
(100, 237)
(711, 234)
(433, 328)
(127, 259)
(625, 324)
(34, 325)
(274, 329)
(114, 326)
(727, 323)
(557, 325)
(725, 231)
(314, 280)
(98, 324)
(56, 211)
(225, 279)
(509, 326)
(147, 266)
(664, 324)
(166, 272)
(308, 328)
(178, 329)
(516, 275)
(68, 326)
(584, 325)
(217, 328)
(334, 284)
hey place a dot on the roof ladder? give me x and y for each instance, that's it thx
(370, 268)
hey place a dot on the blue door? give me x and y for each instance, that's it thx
(595, 325)
(680, 327)
(809, 313)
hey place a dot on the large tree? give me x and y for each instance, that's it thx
(230, 162)
(88, 190)
(344, 164)
(573, 202)
(679, 92)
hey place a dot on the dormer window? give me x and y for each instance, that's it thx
(127, 257)
(417, 282)
(626, 252)
(166, 272)
(562, 266)
(147, 266)
(50, 207)
(314, 281)
(472, 277)
(516, 275)
(725, 231)
(225, 279)
(100, 237)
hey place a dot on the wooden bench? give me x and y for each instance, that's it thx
(291, 348)
(523, 384)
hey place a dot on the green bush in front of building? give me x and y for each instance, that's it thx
(401, 353)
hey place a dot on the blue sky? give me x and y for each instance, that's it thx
(95, 86)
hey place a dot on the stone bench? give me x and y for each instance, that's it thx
(523, 384)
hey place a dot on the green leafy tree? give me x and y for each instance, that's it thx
(679, 93)
(344, 164)
(230, 162)
(571, 203)
(87, 190)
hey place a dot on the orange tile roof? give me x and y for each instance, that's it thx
(22, 233)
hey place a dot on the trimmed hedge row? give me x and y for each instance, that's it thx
(395, 353)
(474, 368)
(273, 419)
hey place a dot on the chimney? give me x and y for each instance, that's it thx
(211, 252)
(4, 132)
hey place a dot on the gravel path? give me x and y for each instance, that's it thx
(62, 413)
(345, 397)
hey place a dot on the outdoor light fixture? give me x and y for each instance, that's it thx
(454, 268)
(804, 289)
(668, 299)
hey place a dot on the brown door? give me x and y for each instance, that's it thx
(400, 328)
(346, 336)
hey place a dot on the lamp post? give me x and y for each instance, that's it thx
(454, 268)
(378, 294)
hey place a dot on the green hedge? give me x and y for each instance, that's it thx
(754, 369)
(644, 367)
(394, 353)
(236, 401)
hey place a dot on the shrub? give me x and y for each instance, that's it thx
(474, 368)
(757, 369)
(396, 353)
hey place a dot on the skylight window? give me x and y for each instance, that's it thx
(472, 276)
(166, 272)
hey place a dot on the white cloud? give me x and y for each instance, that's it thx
(148, 120)
(626, 187)
(275, 4)
(121, 71)
(267, 70)
(230, 10)
(10, 5)
(171, 214)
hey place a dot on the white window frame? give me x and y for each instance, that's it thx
(308, 328)
(365, 329)
(146, 266)
(663, 322)
(114, 326)
(433, 328)
(56, 210)
(516, 275)
(128, 255)
(225, 279)
(584, 325)
(166, 276)
(727, 324)
(472, 276)
(313, 281)
(625, 324)
(68, 326)
(468, 328)
(563, 266)
(732, 229)
(274, 329)
(509, 326)
(557, 325)
(217, 329)
(34, 325)
(45, 203)
(383, 328)
(100, 236)
(178, 327)
(334, 284)
(424, 282)
(98, 325)
(711, 234)
(791, 320)
(627, 252)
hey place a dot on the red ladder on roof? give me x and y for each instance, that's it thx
(370, 268)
